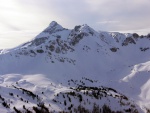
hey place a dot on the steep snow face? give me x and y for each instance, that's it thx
(139, 80)
(56, 55)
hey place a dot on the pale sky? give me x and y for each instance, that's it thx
(22, 20)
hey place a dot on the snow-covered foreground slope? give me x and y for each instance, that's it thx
(77, 69)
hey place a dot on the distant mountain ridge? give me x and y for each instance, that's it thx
(77, 64)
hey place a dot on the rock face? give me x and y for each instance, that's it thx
(127, 41)
(77, 70)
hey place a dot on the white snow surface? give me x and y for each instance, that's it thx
(127, 69)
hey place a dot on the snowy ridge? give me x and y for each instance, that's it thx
(56, 70)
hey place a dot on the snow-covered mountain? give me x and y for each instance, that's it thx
(79, 70)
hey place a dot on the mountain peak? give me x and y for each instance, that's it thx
(53, 27)
(53, 24)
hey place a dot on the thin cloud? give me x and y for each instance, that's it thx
(109, 15)
(9, 39)
(108, 22)
(131, 14)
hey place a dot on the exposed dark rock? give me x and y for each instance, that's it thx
(144, 49)
(135, 35)
(77, 38)
(127, 41)
(114, 49)
(52, 48)
(40, 51)
(39, 41)
(77, 28)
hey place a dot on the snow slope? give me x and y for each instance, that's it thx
(50, 64)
